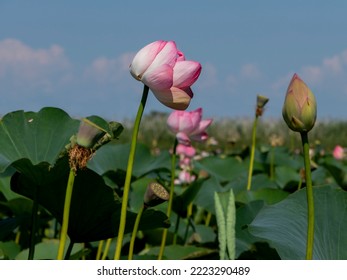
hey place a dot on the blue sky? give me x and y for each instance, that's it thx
(75, 54)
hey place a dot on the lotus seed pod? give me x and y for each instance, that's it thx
(155, 194)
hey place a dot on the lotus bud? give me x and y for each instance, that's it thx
(155, 194)
(261, 102)
(89, 133)
(300, 108)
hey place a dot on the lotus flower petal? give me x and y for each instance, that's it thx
(175, 98)
(200, 133)
(159, 78)
(186, 73)
(183, 138)
(167, 55)
(144, 58)
(186, 150)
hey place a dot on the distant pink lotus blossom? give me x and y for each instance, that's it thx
(163, 68)
(188, 126)
(186, 151)
(338, 152)
(185, 177)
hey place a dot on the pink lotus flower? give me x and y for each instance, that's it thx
(186, 151)
(185, 177)
(188, 126)
(163, 68)
(338, 152)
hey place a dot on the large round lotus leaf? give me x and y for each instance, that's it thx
(8, 250)
(285, 176)
(5, 190)
(268, 195)
(204, 197)
(283, 157)
(113, 156)
(179, 252)
(38, 137)
(244, 216)
(284, 225)
(94, 212)
(47, 250)
(337, 169)
(224, 169)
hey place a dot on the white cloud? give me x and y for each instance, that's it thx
(331, 68)
(23, 66)
(109, 70)
(250, 71)
(330, 72)
(334, 64)
(312, 74)
(208, 77)
(281, 83)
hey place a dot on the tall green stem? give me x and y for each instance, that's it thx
(174, 241)
(251, 160)
(107, 248)
(99, 252)
(169, 206)
(66, 214)
(34, 220)
(125, 198)
(135, 229)
(310, 199)
(69, 250)
(272, 163)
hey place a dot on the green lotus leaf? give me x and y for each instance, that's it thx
(114, 156)
(284, 225)
(38, 137)
(94, 212)
(179, 252)
(224, 169)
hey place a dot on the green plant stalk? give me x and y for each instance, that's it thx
(135, 229)
(66, 214)
(169, 206)
(310, 199)
(251, 160)
(178, 219)
(272, 163)
(208, 219)
(34, 220)
(130, 165)
(189, 221)
(99, 251)
(107, 248)
(69, 250)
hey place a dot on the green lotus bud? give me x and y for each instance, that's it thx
(89, 133)
(155, 194)
(300, 108)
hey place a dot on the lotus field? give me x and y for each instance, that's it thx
(173, 186)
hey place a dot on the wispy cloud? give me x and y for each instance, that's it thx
(330, 72)
(23, 66)
(247, 73)
(105, 70)
(208, 78)
(250, 71)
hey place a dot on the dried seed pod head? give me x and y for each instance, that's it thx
(261, 102)
(155, 194)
